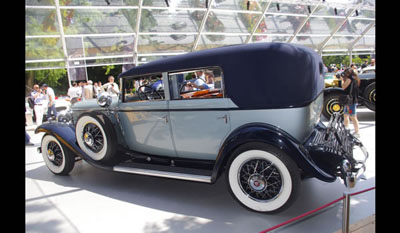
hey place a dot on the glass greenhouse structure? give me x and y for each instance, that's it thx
(75, 34)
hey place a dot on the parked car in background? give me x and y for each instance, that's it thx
(367, 93)
(262, 139)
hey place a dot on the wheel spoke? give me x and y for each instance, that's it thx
(260, 180)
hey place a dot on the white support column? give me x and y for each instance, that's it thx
(64, 46)
(135, 43)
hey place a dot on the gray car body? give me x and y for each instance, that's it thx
(195, 128)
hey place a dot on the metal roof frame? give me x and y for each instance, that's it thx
(263, 10)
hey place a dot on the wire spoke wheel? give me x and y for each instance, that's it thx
(58, 158)
(260, 179)
(93, 137)
(54, 153)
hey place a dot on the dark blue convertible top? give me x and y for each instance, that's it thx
(256, 76)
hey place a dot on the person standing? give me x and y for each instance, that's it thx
(351, 81)
(39, 101)
(88, 90)
(74, 93)
(111, 87)
(51, 97)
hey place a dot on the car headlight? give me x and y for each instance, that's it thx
(65, 116)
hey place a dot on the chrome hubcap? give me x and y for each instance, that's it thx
(260, 180)
(257, 182)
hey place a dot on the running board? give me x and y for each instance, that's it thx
(179, 173)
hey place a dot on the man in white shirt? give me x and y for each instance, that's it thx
(51, 97)
(39, 100)
(74, 92)
(111, 87)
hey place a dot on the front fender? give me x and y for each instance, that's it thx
(65, 133)
(261, 132)
(330, 90)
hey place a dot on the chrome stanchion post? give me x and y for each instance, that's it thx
(346, 213)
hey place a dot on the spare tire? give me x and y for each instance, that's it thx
(96, 137)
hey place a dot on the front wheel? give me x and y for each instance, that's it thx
(95, 137)
(57, 157)
(263, 178)
(331, 105)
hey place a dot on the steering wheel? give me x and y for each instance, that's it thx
(149, 93)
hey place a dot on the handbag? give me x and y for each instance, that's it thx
(347, 99)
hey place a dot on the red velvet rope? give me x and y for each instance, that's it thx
(313, 211)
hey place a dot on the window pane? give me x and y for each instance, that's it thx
(43, 48)
(99, 3)
(108, 46)
(353, 26)
(146, 88)
(174, 3)
(280, 24)
(196, 84)
(166, 21)
(214, 41)
(37, 65)
(238, 5)
(41, 22)
(339, 42)
(230, 22)
(82, 21)
(366, 42)
(165, 43)
(319, 25)
(313, 42)
(39, 3)
(288, 8)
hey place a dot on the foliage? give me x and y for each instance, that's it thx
(344, 60)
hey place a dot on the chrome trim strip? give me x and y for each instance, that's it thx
(171, 175)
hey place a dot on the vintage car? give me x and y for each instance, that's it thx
(258, 125)
(366, 97)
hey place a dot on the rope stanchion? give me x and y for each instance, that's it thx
(313, 211)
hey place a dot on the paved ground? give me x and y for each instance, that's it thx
(94, 200)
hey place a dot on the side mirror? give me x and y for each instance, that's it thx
(104, 100)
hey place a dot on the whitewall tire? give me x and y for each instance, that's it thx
(58, 158)
(95, 138)
(263, 178)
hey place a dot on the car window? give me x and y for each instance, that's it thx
(146, 88)
(204, 83)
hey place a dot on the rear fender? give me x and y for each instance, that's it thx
(261, 132)
(65, 133)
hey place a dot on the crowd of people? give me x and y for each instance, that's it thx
(44, 97)
(89, 89)
(333, 68)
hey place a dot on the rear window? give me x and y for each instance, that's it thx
(205, 83)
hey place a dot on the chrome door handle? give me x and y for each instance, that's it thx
(225, 117)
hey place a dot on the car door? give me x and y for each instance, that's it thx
(145, 124)
(199, 125)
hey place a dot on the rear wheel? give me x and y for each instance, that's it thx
(58, 158)
(263, 178)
